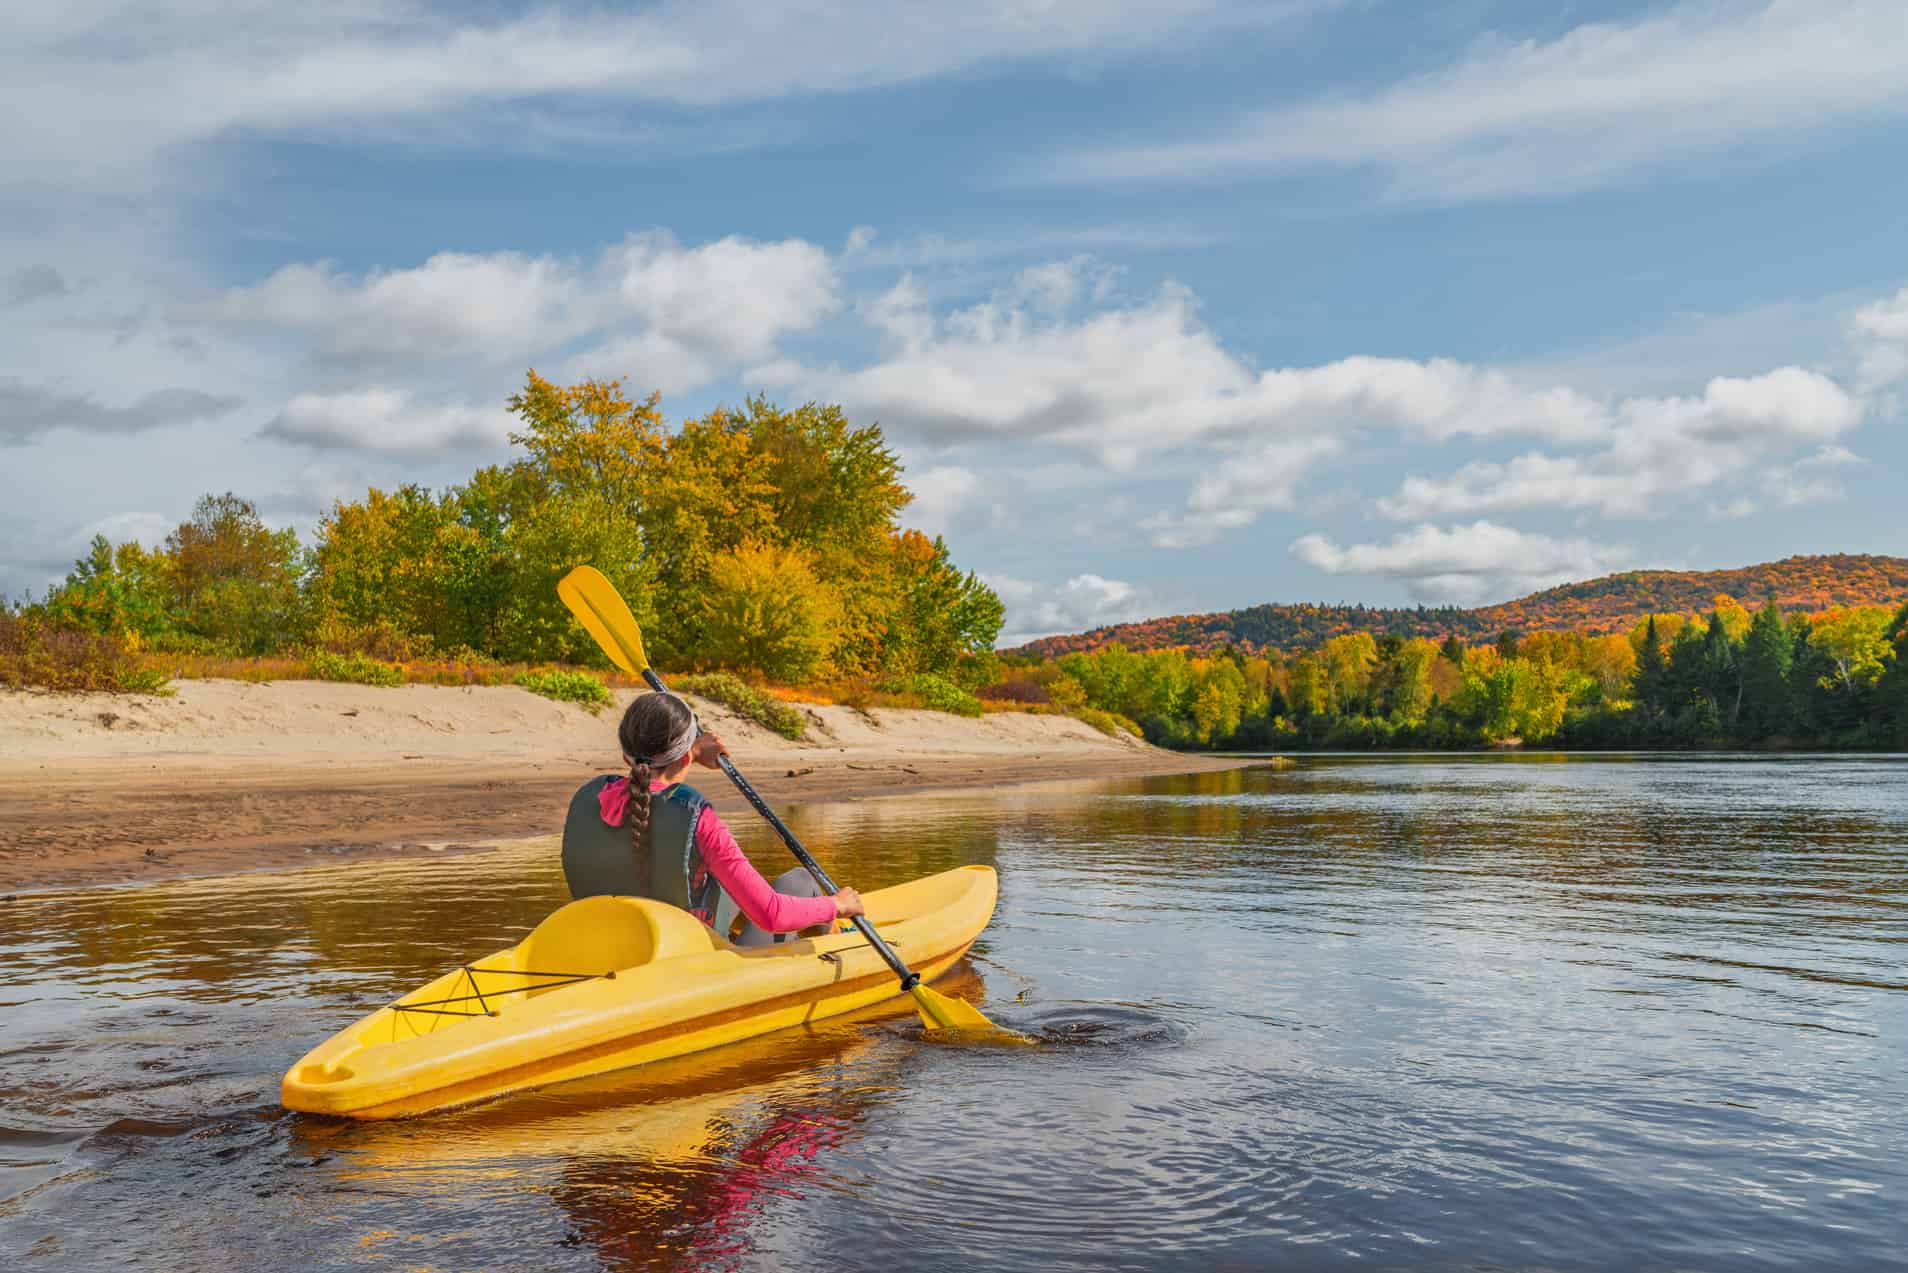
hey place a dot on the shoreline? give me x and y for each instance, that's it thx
(230, 777)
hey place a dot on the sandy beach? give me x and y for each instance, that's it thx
(229, 776)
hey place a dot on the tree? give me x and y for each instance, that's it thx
(590, 438)
(1892, 692)
(944, 612)
(234, 579)
(1652, 672)
(1348, 662)
(1722, 665)
(1610, 662)
(1412, 688)
(766, 610)
(121, 590)
(1766, 652)
(1855, 642)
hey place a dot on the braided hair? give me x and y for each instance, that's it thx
(650, 724)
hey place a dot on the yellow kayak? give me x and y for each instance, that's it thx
(610, 982)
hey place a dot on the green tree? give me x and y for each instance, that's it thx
(1652, 673)
(1722, 678)
(1892, 692)
(121, 590)
(235, 580)
(944, 612)
(1766, 653)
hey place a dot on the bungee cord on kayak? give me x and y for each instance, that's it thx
(549, 981)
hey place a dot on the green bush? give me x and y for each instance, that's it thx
(567, 686)
(937, 693)
(146, 680)
(357, 669)
(747, 702)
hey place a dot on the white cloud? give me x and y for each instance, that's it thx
(1467, 565)
(940, 493)
(1532, 118)
(1832, 457)
(1656, 447)
(149, 529)
(501, 305)
(1125, 381)
(28, 411)
(111, 86)
(670, 316)
(707, 309)
(1789, 488)
(388, 422)
(1881, 331)
(1237, 489)
(1085, 601)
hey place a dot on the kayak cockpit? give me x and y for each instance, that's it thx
(588, 939)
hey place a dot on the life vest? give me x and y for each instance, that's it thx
(599, 859)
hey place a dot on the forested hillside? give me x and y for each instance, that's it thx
(1800, 585)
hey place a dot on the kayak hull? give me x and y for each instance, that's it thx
(607, 983)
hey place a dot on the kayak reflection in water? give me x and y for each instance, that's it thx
(641, 1213)
(652, 835)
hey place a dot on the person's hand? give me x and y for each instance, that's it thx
(848, 904)
(707, 748)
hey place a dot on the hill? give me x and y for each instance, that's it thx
(1799, 584)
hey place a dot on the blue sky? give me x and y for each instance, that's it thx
(1168, 307)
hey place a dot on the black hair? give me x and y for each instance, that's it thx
(650, 723)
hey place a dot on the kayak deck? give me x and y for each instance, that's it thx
(610, 982)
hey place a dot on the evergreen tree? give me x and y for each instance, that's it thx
(1652, 673)
(1766, 655)
(1892, 692)
(1722, 671)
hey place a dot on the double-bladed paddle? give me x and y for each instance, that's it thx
(603, 613)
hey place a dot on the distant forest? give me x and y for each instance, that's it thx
(1723, 678)
(1615, 603)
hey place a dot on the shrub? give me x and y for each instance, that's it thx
(1067, 692)
(767, 610)
(379, 640)
(1016, 691)
(747, 702)
(1110, 723)
(358, 669)
(567, 686)
(36, 654)
(937, 694)
(146, 680)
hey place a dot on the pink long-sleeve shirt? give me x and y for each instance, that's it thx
(767, 909)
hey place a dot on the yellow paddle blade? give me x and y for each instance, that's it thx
(604, 615)
(945, 1012)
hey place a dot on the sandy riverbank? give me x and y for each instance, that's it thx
(229, 776)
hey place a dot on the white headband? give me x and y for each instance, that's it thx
(679, 745)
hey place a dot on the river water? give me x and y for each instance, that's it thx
(1427, 1013)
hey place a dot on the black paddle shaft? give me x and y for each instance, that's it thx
(909, 978)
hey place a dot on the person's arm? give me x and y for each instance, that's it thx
(768, 910)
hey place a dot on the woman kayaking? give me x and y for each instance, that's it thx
(652, 835)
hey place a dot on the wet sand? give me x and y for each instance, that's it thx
(231, 777)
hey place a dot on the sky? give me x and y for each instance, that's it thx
(1166, 307)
